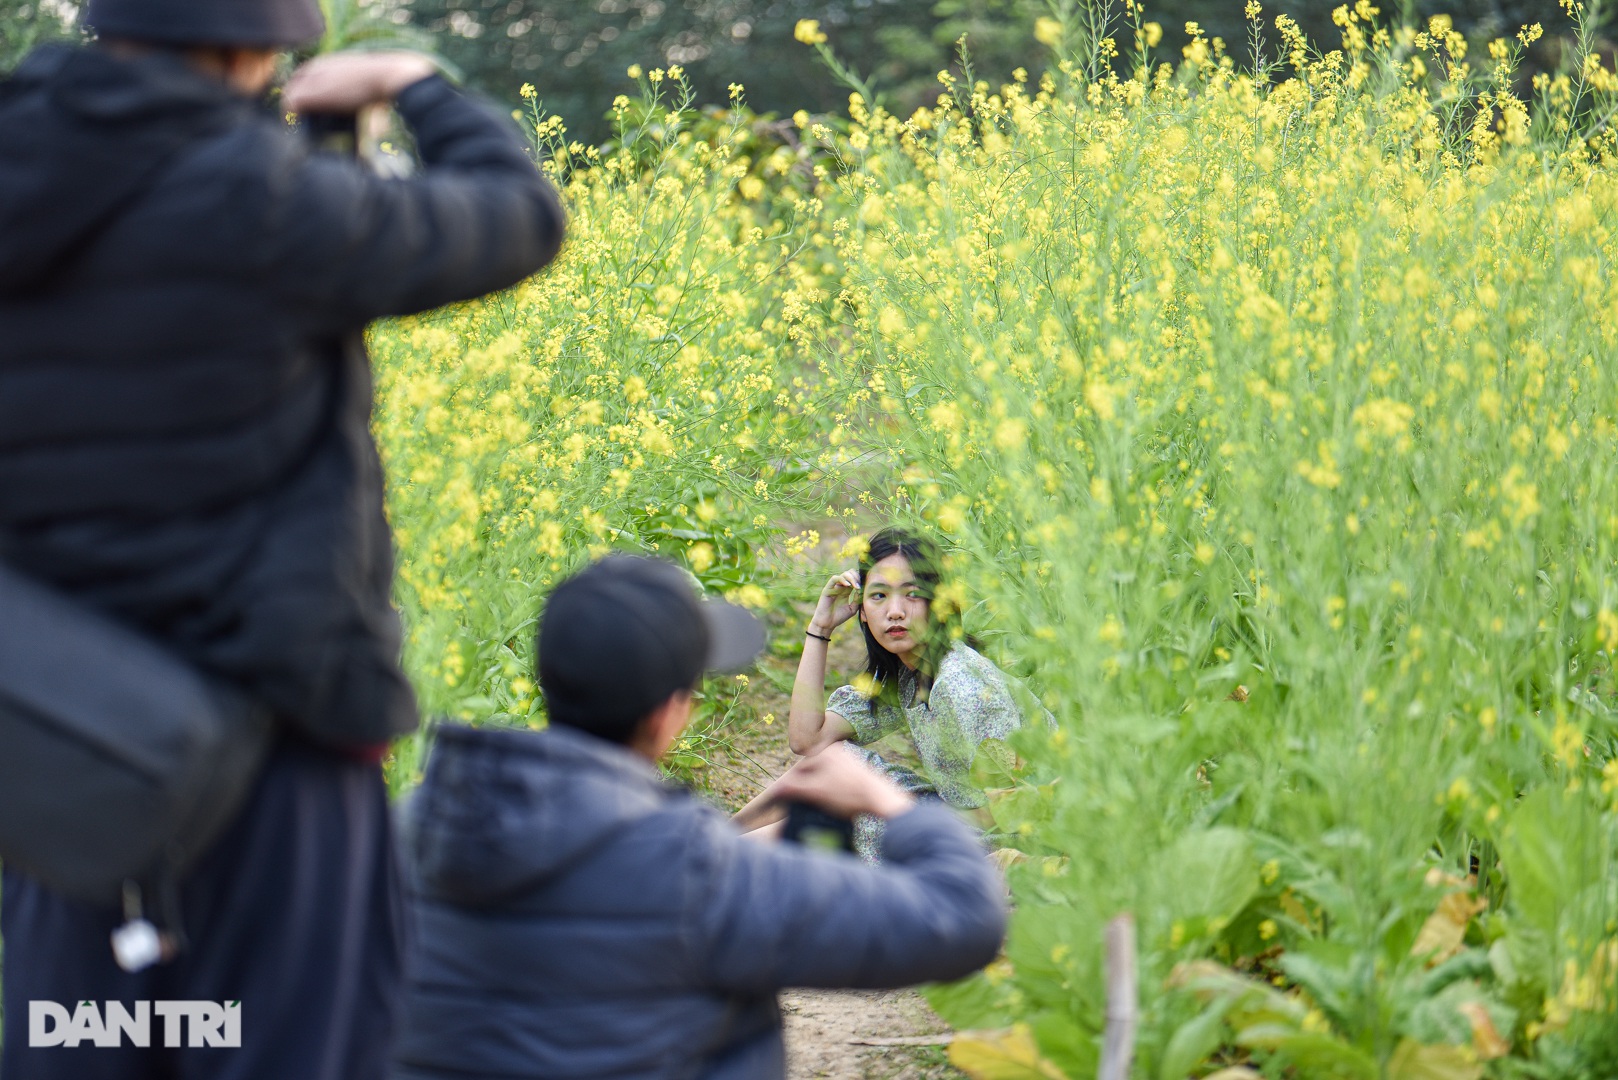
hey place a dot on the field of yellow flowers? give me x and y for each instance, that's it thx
(1272, 422)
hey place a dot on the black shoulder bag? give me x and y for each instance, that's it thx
(119, 762)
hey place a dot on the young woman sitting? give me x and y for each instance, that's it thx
(926, 701)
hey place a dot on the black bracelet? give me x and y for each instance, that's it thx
(822, 637)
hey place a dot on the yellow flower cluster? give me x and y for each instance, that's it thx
(642, 394)
(1301, 387)
(1270, 425)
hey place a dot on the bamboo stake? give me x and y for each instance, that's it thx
(1123, 1007)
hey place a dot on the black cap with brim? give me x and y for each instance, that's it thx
(261, 24)
(622, 635)
(735, 637)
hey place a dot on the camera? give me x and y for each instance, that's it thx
(815, 828)
(336, 133)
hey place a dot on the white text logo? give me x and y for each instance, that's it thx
(113, 1023)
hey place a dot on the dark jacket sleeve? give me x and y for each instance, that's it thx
(776, 915)
(348, 246)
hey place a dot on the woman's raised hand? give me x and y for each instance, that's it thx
(839, 602)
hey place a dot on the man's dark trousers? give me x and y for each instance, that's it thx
(298, 906)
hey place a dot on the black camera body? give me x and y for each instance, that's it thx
(815, 828)
(336, 133)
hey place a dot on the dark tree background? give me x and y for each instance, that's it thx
(576, 52)
(26, 23)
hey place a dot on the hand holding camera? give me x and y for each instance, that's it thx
(838, 782)
(342, 101)
(345, 83)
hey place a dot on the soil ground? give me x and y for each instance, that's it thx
(821, 1025)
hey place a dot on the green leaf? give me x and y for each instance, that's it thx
(1534, 850)
(1011, 807)
(1327, 972)
(1195, 1039)
(995, 769)
(1212, 875)
(1066, 1044)
(1316, 1053)
(1456, 1014)
(970, 1003)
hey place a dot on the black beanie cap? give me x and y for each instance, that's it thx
(265, 24)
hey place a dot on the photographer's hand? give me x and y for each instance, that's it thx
(348, 82)
(837, 781)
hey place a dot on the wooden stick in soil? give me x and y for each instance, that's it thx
(1123, 1003)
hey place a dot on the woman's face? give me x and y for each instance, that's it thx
(894, 607)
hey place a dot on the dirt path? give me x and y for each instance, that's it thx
(820, 1024)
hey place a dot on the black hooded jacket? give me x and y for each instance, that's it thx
(573, 916)
(184, 393)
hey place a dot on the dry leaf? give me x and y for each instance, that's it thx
(1005, 858)
(1009, 1054)
(1486, 1038)
(1440, 936)
(1187, 972)
(1417, 1061)
(1294, 909)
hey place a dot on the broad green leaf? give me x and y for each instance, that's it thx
(1195, 1039)
(1552, 852)
(1211, 874)
(1073, 1049)
(1252, 1001)
(1462, 1012)
(973, 1002)
(1315, 1053)
(1011, 807)
(994, 767)
(1534, 855)
(1326, 971)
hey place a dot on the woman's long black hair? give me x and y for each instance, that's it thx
(922, 554)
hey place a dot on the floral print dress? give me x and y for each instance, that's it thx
(926, 743)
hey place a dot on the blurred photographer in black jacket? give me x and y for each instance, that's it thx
(185, 447)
